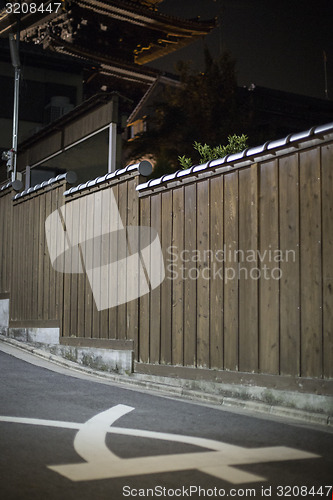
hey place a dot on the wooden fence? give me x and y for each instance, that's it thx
(248, 263)
(94, 208)
(249, 269)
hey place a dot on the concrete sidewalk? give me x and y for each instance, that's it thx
(317, 409)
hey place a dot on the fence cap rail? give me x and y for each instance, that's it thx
(70, 177)
(6, 186)
(249, 153)
(144, 168)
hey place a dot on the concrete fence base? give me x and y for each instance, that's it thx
(108, 360)
(48, 336)
(4, 316)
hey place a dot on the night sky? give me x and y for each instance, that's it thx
(276, 44)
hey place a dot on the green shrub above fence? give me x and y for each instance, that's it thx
(236, 144)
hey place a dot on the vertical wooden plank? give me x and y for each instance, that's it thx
(5, 251)
(26, 263)
(122, 282)
(231, 283)
(311, 272)
(41, 263)
(13, 280)
(3, 245)
(56, 274)
(82, 278)
(177, 336)
(17, 299)
(166, 286)
(8, 231)
(144, 307)
(32, 241)
(26, 274)
(9, 238)
(20, 262)
(60, 274)
(290, 266)
(327, 236)
(30, 262)
(269, 257)
(248, 269)
(133, 305)
(35, 262)
(73, 233)
(21, 265)
(190, 286)
(52, 285)
(97, 282)
(16, 263)
(6, 225)
(216, 273)
(7, 235)
(105, 259)
(3, 259)
(47, 265)
(66, 320)
(90, 231)
(4, 254)
(203, 340)
(49, 282)
(155, 295)
(113, 311)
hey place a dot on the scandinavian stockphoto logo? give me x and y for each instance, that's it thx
(121, 263)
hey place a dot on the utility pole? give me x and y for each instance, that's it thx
(11, 155)
(14, 53)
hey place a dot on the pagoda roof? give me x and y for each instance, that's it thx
(35, 56)
(157, 34)
(109, 66)
(178, 32)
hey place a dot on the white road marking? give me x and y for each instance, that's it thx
(89, 442)
(102, 463)
(37, 421)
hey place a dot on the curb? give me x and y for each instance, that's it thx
(180, 390)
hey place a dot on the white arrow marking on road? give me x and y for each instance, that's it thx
(102, 463)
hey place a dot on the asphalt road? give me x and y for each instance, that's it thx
(66, 435)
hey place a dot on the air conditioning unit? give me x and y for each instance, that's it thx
(57, 107)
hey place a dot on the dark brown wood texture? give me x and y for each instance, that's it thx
(248, 259)
(36, 287)
(40, 293)
(6, 253)
(97, 219)
(248, 266)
